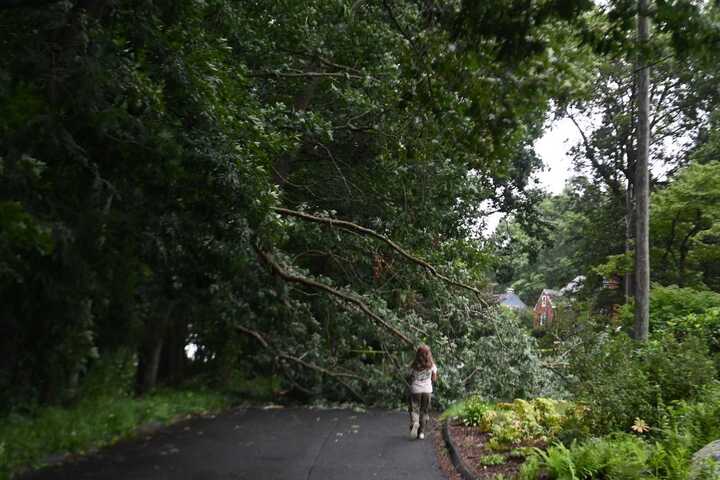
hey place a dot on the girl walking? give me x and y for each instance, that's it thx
(423, 373)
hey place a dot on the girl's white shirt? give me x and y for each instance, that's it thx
(421, 381)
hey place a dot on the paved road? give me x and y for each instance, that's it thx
(253, 444)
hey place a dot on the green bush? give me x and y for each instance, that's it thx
(673, 302)
(665, 453)
(705, 325)
(621, 380)
(618, 457)
(474, 412)
(698, 420)
(612, 383)
(508, 424)
(677, 369)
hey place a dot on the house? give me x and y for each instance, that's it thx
(511, 300)
(545, 308)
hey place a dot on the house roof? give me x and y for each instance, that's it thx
(574, 285)
(510, 299)
(551, 293)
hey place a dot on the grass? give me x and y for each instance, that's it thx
(93, 423)
(454, 410)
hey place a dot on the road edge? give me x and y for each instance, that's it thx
(457, 460)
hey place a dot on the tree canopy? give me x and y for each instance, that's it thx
(300, 188)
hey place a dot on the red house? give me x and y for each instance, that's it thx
(544, 311)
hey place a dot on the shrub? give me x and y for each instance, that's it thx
(536, 420)
(705, 325)
(621, 380)
(698, 420)
(665, 454)
(475, 412)
(618, 457)
(612, 383)
(677, 369)
(673, 302)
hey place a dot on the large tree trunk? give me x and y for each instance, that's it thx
(150, 362)
(173, 358)
(642, 242)
(629, 228)
(150, 351)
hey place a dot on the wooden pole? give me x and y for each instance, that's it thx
(642, 243)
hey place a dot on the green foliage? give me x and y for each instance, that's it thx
(143, 149)
(684, 222)
(472, 413)
(670, 303)
(507, 363)
(685, 427)
(522, 421)
(678, 369)
(562, 242)
(621, 457)
(189, 120)
(257, 388)
(620, 380)
(683, 312)
(492, 459)
(93, 423)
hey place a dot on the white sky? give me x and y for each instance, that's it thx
(553, 149)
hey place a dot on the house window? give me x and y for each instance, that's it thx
(543, 319)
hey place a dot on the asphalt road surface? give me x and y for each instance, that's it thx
(254, 444)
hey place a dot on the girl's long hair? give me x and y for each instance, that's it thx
(423, 358)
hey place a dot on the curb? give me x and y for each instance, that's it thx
(457, 460)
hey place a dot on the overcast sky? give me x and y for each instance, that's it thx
(552, 148)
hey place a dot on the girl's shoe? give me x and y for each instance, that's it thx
(421, 436)
(414, 430)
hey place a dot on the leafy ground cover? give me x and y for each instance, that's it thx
(27, 440)
(663, 452)
(495, 438)
(549, 439)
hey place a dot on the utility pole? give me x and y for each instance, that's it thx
(642, 241)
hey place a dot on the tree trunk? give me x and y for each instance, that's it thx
(173, 358)
(151, 350)
(151, 365)
(642, 242)
(629, 224)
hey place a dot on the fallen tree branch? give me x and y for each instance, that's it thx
(355, 228)
(469, 377)
(309, 75)
(302, 362)
(338, 376)
(287, 276)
